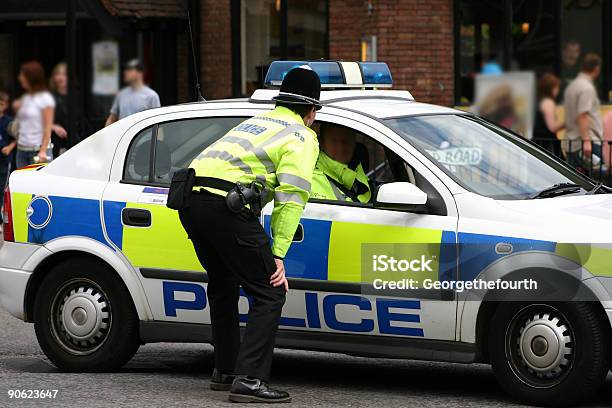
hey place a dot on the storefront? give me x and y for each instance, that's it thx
(107, 36)
(435, 48)
(277, 29)
(531, 35)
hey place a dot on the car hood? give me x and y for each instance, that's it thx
(576, 218)
(569, 219)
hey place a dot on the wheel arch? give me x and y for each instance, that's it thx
(477, 310)
(79, 247)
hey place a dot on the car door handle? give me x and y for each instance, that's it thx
(136, 217)
(299, 234)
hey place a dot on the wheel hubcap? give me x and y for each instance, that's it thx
(543, 346)
(81, 317)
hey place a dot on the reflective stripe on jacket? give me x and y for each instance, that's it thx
(323, 188)
(275, 148)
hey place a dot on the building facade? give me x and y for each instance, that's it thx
(414, 37)
(434, 48)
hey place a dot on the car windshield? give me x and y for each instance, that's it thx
(484, 158)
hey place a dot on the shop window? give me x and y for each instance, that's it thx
(260, 42)
(306, 29)
(278, 29)
(529, 35)
(533, 35)
(480, 42)
(581, 33)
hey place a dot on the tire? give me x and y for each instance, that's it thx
(84, 317)
(530, 366)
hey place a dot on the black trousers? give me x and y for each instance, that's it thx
(235, 251)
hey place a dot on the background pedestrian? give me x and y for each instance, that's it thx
(546, 124)
(134, 98)
(582, 115)
(35, 116)
(58, 85)
(7, 143)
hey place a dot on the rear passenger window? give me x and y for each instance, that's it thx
(175, 146)
(137, 165)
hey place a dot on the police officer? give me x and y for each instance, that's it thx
(271, 155)
(336, 177)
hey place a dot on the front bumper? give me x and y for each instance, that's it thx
(13, 283)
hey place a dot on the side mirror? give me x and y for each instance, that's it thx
(400, 195)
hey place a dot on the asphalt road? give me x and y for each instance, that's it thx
(165, 375)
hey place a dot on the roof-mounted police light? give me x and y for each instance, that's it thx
(335, 74)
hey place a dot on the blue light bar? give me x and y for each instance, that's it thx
(375, 73)
(329, 72)
(334, 74)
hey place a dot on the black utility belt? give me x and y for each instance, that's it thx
(239, 198)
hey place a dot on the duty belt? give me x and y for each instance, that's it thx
(239, 198)
(212, 182)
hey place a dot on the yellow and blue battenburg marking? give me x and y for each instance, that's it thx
(39, 219)
(337, 245)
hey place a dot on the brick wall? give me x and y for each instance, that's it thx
(215, 49)
(415, 37)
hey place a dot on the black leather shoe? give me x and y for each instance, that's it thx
(249, 389)
(221, 381)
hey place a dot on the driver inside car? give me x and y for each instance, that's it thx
(337, 175)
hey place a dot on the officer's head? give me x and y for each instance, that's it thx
(300, 92)
(338, 142)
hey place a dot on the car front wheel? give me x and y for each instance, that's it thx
(84, 317)
(553, 354)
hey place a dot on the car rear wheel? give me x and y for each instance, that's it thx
(84, 317)
(550, 354)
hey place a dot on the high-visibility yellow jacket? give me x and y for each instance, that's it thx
(354, 180)
(275, 148)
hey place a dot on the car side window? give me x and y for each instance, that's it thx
(176, 144)
(378, 168)
(137, 164)
(380, 164)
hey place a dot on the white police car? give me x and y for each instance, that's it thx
(92, 256)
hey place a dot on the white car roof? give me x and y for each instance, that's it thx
(383, 108)
(92, 157)
(378, 103)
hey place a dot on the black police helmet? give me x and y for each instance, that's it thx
(301, 86)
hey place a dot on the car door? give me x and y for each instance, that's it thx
(330, 291)
(149, 234)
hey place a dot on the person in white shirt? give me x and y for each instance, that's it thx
(35, 116)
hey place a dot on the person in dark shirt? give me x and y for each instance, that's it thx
(546, 123)
(58, 84)
(7, 143)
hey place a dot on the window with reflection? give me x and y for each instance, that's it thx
(530, 35)
(278, 30)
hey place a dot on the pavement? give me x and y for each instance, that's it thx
(166, 375)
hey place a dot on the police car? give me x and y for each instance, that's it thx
(93, 257)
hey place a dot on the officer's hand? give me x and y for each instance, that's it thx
(278, 278)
